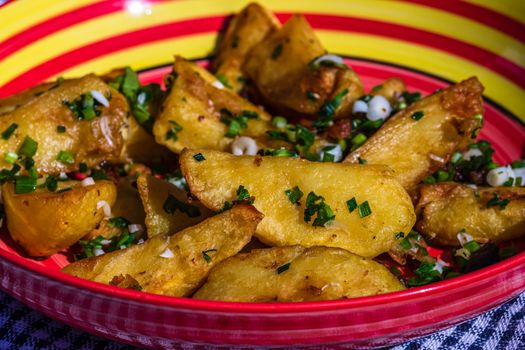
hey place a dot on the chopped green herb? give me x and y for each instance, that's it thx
(172, 204)
(82, 168)
(426, 273)
(51, 183)
(226, 206)
(98, 174)
(25, 184)
(472, 246)
(244, 195)
(351, 204)
(11, 157)
(429, 180)
(277, 51)
(61, 129)
(205, 255)
(66, 157)
(236, 123)
(327, 111)
(28, 147)
(224, 81)
(399, 235)
(364, 209)
(281, 152)
(6, 175)
(279, 122)
(517, 164)
(85, 107)
(376, 88)
(410, 98)
(507, 252)
(119, 222)
(496, 201)
(294, 195)
(283, 268)
(315, 205)
(417, 115)
(199, 157)
(312, 96)
(358, 140)
(361, 160)
(6, 134)
(172, 132)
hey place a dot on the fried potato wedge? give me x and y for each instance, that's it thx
(391, 89)
(280, 68)
(245, 30)
(168, 209)
(90, 141)
(192, 112)
(44, 222)
(10, 103)
(178, 264)
(445, 209)
(216, 179)
(417, 148)
(290, 274)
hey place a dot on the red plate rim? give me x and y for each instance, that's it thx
(245, 307)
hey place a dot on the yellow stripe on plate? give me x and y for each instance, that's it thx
(21, 15)
(429, 60)
(514, 9)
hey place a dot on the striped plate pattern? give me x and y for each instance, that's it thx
(428, 43)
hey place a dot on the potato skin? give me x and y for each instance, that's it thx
(195, 104)
(283, 80)
(444, 209)
(44, 223)
(246, 29)
(416, 149)
(10, 103)
(153, 193)
(316, 273)
(90, 141)
(184, 273)
(216, 179)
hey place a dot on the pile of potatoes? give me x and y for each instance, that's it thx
(233, 232)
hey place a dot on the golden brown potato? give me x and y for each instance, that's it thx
(290, 274)
(141, 146)
(192, 112)
(246, 29)
(279, 67)
(178, 264)
(391, 89)
(417, 148)
(10, 103)
(445, 209)
(164, 204)
(44, 222)
(216, 179)
(89, 141)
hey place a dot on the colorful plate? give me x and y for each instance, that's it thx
(427, 43)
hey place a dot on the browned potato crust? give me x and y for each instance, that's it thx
(391, 89)
(10, 103)
(154, 193)
(445, 209)
(216, 179)
(90, 141)
(317, 273)
(216, 238)
(44, 223)
(195, 104)
(416, 149)
(246, 29)
(141, 146)
(279, 68)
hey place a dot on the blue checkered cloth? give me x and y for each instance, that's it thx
(22, 328)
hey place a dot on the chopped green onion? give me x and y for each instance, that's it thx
(283, 268)
(171, 204)
(294, 195)
(6, 134)
(25, 184)
(364, 209)
(172, 132)
(456, 157)
(495, 201)
(11, 157)
(442, 176)
(472, 246)
(351, 204)
(327, 110)
(118, 221)
(51, 183)
(429, 180)
(223, 80)
(28, 147)
(417, 115)
(61, 129)
(376, 88)
(399, 235)
(244, 195)
(199, 157)
(361, 160)
(279, 122)
(358, 140)
(66, 157)
(316, 205)
(205, 255)
(82, 168)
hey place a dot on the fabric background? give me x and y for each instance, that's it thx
(24, 329)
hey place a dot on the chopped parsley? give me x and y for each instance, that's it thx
(294, 195)
(497, 201)
(85, 107)
(106, 245)
(315, 205)
(351, 204)
(66, 157)
(417, 115)
(6, 134)
(172, 204)
(283, 268)
(118, 221)
(205, 255)
(277, 51)
(236, 123)
(172, 132)
(327, 111)
(243, 195)
(199, 157)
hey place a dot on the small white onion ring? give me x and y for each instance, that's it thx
(97, 95)
(244, 145)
